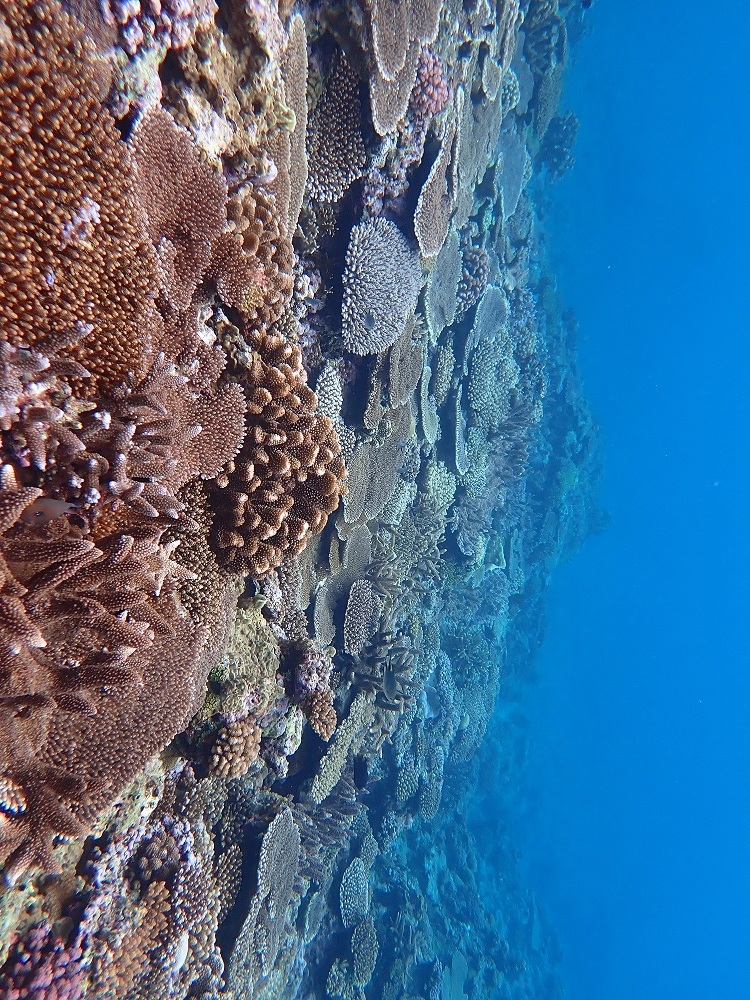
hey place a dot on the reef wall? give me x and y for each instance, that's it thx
(292, 437)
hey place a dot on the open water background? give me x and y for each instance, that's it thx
(638, 842)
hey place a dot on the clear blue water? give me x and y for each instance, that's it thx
(638, 841)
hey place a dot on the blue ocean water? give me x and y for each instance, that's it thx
(637, 838)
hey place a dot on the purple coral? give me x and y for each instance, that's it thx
(432, 91)
(41, 967)
(156, 23)
(312, 672)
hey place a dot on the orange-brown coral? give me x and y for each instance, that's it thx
(107, 410)
(257, 249)
(321, 713)
(184, 202)
(288, 476)
(93, 673)
(74, 254)
(235, 749)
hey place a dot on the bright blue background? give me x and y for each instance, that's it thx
(640, 842)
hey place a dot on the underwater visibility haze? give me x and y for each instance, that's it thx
(309, 686)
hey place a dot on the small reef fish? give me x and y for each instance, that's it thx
(45, 509)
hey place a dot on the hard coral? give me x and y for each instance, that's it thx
(156, 23)
(336, 147)
(74, 253)
(382, 281)
(322, 714)
(235, 749)
(265, 258)
(41, 966)
(437, 199)
(100, 664)
(288, 476)
(398, 33)
(184, 202)
(473, 280)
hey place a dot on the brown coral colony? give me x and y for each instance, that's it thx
(112, 403)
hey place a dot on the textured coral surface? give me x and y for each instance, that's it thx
(291, 440)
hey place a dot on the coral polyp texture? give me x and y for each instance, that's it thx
(291, 440)
(76, 258)
(288, 475)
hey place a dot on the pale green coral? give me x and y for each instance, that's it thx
(440, 484)
(246, 677)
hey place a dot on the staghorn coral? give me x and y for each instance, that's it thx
(85, 264)
(102, 665)
(382, 281)
(143, 949)
(288, 476)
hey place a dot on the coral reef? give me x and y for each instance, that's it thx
(381, 285)
(291, 441)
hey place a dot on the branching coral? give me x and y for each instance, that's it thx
(381, 285)
(101, 663)
(288, 476)
(336, 148)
